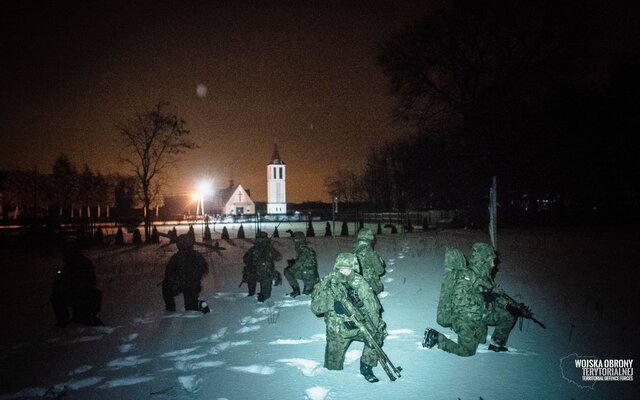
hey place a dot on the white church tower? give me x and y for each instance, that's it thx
(276, 184)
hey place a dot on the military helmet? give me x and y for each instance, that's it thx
(365, 234)
(299, 237)
(347, 260)
(482, 254)
(185, 241)
(454, 258)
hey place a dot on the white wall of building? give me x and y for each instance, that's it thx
(240, 203)
(276, 185)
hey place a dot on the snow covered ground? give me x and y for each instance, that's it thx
(583, 286)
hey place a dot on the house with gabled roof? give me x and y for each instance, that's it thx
(240, 203)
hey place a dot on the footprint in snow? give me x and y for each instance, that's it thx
(317, 393)
(85, 339)
(104, 329)
(83, 383)
(130, 361)
(130, 338)
(190, 383)
(222, 332)
(252, 320)
(176, 353)
(292, 303)
(80, 370)
(307, 367)
(219, 348)
(229, 296)
(207, 364)
(184, 363)
(125, 348)
(133, 380)
(247, 329)
(187, 358)
(399, 333)
(192, 314)
(293, 341)
(352, 356)
(254, 369)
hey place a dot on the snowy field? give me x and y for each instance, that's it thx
(583, 286)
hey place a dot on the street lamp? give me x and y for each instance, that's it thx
(199, 200)
(203, 190)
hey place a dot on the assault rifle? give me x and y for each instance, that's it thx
(368, 329)
(173, 238)
(244, 276)
(516, 307)
(522, 309)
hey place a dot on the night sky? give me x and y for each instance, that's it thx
(301, 74)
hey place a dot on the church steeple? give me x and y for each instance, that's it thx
(275, 157)
(276, 184)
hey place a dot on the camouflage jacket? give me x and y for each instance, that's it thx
(186, 268)
(323, 299)
(262, 257)
(470, 309)
(306, 260)
(372, 264)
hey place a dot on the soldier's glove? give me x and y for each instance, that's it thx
(354, 298)
(489, 297)
(339, 308)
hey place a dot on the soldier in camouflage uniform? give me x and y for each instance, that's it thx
(372, 264)
(183, 274)
(475, 306)
(341, 285)
(262, 256)
(305, 266)
(250, 276)
(74, 289)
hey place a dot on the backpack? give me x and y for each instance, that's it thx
(455, 265)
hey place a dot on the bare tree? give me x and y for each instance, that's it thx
(473, 65)
(65, 183)
(152, 140)
(346, 185)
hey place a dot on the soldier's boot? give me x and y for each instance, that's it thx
(203, 306)
(430, 338)
(367, 372)
(261, 298)
(493, 346)
(296, 292)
